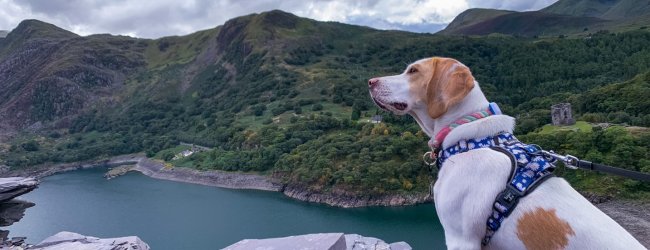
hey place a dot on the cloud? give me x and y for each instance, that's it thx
(156, 18)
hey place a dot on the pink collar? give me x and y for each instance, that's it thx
(436, 142)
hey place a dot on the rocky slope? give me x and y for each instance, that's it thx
(632, 215)
(344, 199)
(49, 73)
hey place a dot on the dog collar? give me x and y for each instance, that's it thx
(436, 142)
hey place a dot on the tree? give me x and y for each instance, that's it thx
(30, 146)
(168, 156)
(356, 113)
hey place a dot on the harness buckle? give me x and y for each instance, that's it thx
(507, 200)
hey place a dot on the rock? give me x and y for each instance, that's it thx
(72, 241)
(118, 171)
(324, 241)
(15, 186)
(358, 242)
(341, 198)
(12, 211)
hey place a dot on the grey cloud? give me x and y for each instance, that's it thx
(518, 5)
(156, 18)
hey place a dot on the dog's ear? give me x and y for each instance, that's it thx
(450, 82)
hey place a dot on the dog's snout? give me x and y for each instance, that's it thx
(372, 82)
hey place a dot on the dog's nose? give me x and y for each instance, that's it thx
(372, 82)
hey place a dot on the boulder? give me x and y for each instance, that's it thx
(358, 242)
(323, 241)
(75, 241)
(14, 186)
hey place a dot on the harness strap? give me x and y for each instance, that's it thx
(507, 200)
(529, 168)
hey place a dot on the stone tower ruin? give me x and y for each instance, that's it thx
(561, 114)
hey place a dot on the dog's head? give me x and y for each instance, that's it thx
(432, 84)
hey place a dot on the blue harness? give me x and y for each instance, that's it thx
(529, 169)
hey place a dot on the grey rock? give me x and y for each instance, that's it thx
(324, 241)
(14, 186)
(3, 33)
(358, 242)
(75, 241)
(12, 211)
(343, 199)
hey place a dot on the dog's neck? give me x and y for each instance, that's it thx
(474, 101)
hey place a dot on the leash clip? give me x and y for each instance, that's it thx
(569, 161)
(430, 158)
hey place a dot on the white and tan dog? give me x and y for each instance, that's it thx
(438, 91)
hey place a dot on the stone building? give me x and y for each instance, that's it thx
(561, 114)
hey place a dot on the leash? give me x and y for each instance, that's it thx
(573, 162)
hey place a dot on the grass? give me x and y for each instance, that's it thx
(580, 126)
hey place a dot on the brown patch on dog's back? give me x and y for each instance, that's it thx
(542, 229)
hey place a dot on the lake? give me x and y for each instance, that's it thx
(174, 215)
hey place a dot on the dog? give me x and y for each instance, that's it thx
(438, 91)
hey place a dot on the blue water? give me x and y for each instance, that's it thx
(173, 215)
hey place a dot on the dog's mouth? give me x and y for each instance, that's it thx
(397, 105)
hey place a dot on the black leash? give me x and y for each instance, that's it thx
(575, 163)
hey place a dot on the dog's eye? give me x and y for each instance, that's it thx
(412, 70)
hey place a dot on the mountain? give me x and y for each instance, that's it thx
(604, 9)
(534, 23)
(561, 18)
(3, 33)
(473, 16)
(49, 74)
(277, 94)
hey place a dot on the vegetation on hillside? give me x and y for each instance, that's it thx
(287, 97)
(562, 18)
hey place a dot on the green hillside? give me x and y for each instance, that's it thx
(564, 17)
(605, 9)
(287, 96)
(472, 16)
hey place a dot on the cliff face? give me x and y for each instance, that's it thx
(12, 210)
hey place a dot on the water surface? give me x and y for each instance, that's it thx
(173, 215)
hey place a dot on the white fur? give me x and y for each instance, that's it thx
(468, 183)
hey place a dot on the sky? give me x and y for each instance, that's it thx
(158, 18)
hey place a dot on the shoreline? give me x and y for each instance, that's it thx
(230, 180)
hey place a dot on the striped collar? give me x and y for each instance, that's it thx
(436, 142)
